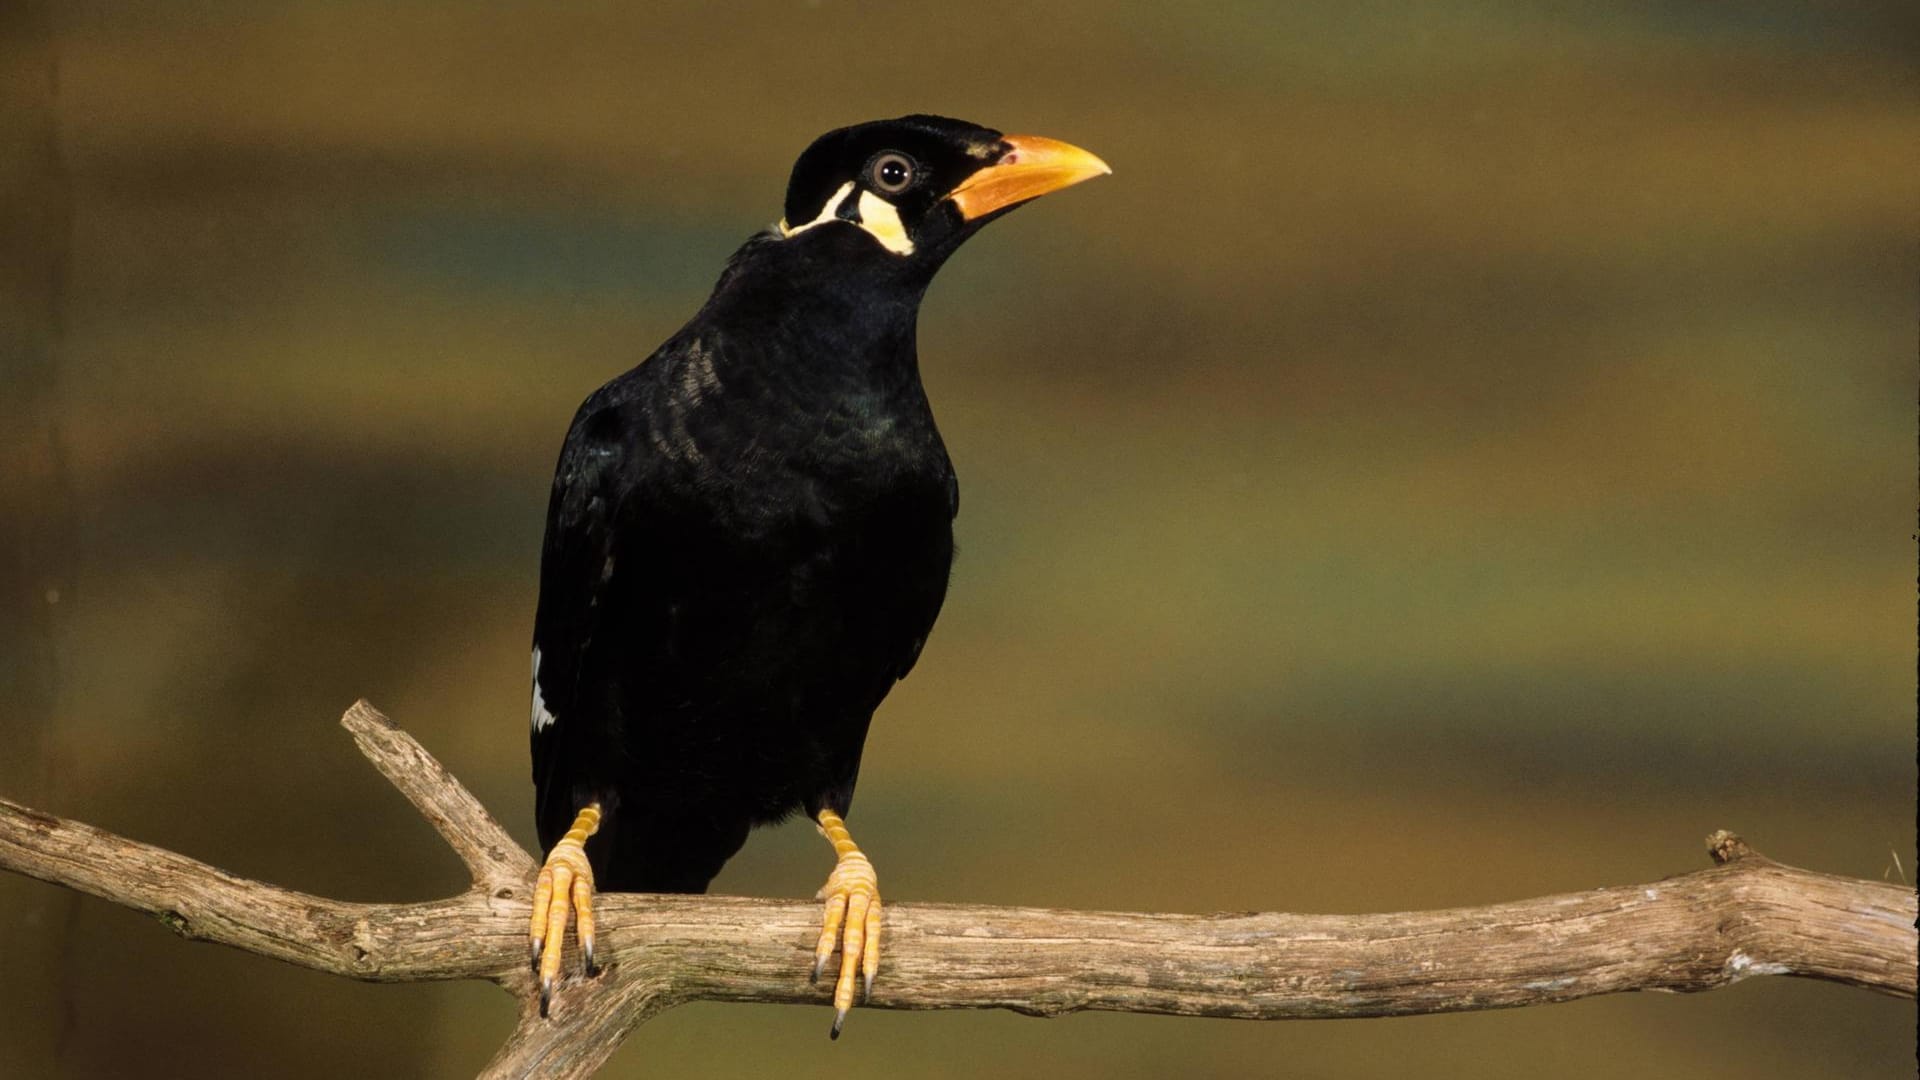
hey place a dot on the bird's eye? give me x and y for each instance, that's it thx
(892, 173)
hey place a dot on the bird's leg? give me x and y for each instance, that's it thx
(852, 893)
(564, 887)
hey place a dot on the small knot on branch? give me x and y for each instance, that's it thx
(1725, 847)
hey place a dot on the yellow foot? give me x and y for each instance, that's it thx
(564, 888)
(852, 894)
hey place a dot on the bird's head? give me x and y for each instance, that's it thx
(919, 185)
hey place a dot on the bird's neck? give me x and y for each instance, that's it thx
(832, 308)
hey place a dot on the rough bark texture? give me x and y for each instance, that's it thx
(1745, 916)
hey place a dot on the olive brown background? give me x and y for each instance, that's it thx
(1464, 452)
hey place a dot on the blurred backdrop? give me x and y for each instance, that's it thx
(1461, 454)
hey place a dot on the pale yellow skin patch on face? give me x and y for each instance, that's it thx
(880, 219)
(826, 212)
(877, 216)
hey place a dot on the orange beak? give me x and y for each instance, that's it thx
(1031, 167)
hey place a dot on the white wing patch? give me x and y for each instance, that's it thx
(542, 719)
(877, 216)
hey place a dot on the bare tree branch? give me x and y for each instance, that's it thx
(1745, 916)
(490, 854)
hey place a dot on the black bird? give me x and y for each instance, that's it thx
(749, 538)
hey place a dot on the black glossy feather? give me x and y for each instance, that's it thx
(748, 541)
(750, 533)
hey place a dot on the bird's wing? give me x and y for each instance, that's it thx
(917, 639)
(596, 470)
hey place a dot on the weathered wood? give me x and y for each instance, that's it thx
(1746, 916)
(490, 854)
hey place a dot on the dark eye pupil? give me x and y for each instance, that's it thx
(893, 173)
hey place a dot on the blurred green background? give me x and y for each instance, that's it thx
(1463, 453)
